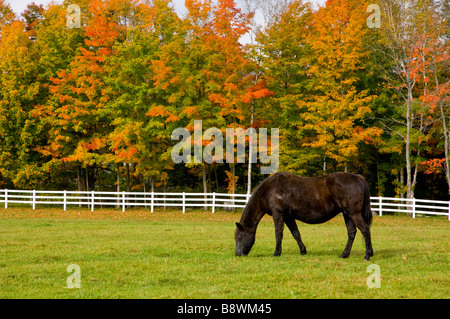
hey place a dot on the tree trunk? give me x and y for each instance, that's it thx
(118, 177)
(79, 183)
(87, 179)
(325, 160)
(233, 183)
(250, 153)
(416, 167)
(217, 180)
(378, 177)
(118, 185)
(402, 181)
(408, 144)
(128, 178)
(446, 146)
(152, 185)
(205, 186)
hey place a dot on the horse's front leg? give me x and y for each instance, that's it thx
(292, 225)
(279, 227)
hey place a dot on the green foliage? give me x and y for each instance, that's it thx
(77, 103)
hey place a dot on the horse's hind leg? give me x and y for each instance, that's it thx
(292, 225)
(358, 220)
(351, 230)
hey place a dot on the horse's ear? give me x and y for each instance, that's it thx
(240, 226)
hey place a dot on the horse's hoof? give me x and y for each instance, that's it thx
(366, 259)
(343, 256)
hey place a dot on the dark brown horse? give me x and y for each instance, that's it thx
(313, 200)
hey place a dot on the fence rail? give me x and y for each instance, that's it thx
(413, 206)
(124, 200)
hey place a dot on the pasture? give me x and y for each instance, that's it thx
(167, 254)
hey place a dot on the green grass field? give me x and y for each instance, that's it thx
(168, 254)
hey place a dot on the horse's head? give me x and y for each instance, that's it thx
(245, 238)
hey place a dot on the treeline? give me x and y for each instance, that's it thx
(89, 98)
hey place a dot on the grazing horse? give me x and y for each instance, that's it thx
(313, 200)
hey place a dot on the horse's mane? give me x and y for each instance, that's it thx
(253, 203)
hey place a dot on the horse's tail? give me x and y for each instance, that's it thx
(366, 210)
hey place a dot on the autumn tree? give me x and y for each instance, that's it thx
(334, 113)
(80, 129)
(314, 62)
(20, 128)
(143, 106)
(397, 52)
(433, 85)
(32, 15)
(284, 55)
(89, 106)
(207, 81)
(7, 16)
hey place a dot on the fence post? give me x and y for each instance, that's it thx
(92, 204)
(214, 202)
(449, 210)
(65, 200)
(380, 204)
(6, 198)
(151, 202)
(34, 199)
(184, 205)
(123, 201)
(414, 208)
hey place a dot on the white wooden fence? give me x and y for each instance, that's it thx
(92, 199)
(411, 206)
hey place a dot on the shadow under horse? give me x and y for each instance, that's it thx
(312, 200)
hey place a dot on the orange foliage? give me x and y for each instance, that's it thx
(433, 166)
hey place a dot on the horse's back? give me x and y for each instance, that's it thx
(312, 199)
(304, 198)
(348, 190)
